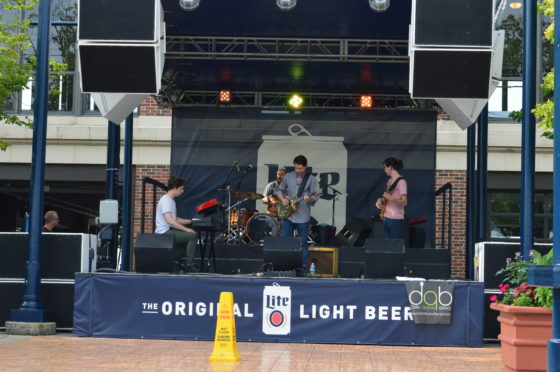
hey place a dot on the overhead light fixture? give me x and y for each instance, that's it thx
(379, 5)
(225, 96)
(366, 102)
(286, 4)
(189, 5)
(515, 4)
(295, 101)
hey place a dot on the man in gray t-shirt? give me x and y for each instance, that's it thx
(300, 218)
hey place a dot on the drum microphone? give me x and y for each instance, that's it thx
(236, 164)
(249, 167)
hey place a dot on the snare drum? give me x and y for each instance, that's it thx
(260, 226)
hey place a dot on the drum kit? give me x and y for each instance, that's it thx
(248, 225)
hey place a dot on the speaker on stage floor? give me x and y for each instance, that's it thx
(155, 253)
(282, 253)
(353, 233)
(384, 258)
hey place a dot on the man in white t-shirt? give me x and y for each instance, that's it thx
(167, 222)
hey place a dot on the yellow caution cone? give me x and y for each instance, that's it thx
(225, 345)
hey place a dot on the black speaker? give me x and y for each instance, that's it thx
(155, 253)
(119, 68)
(451, 73)
(284, 253)
(453, 23)
(323, 234)
(353, 233)
(351, 262)
(118, 20)
(384, 258)
(416, 237)
(428, 263)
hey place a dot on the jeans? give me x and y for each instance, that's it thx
(186, 246)
(287, 230)
(393, 229)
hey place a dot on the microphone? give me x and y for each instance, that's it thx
(236, 165)
(249, 167)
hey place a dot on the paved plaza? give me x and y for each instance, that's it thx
(65, 353)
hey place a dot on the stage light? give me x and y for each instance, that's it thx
(366, 102)
(295, 101)
(379, 5)
(515, 5)
(286, 4)
(189, 5)
(225, 96)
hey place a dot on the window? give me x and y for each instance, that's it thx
(504, 215)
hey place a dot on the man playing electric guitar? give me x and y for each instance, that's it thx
(294, 184)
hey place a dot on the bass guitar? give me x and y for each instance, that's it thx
(293, 201)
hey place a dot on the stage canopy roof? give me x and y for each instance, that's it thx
(325, 47)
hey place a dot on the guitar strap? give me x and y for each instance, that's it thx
(394, 184)
(302, 185)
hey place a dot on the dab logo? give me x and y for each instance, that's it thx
(277, 310)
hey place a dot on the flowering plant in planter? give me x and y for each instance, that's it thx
(514, 289)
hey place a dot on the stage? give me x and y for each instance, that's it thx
(306, 310)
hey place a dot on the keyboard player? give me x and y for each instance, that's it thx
(167, 222)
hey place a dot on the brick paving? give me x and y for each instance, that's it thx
(64, 353)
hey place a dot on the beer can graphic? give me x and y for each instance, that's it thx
(277, 310)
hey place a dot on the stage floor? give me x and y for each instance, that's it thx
(69, 354)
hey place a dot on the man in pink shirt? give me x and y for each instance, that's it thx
(394, 199)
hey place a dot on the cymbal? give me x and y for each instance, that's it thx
(248, 195)
(226, 190)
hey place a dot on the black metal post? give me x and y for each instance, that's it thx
(127, 196)
(31, 309)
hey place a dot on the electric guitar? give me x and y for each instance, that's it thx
(286, 211)
(383, 205)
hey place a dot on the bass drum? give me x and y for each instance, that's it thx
(260, 226)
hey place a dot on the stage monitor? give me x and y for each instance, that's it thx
(155, 253)
(384, 258)
(282, 253)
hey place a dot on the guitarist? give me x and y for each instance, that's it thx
(298, 183)
(394, 199)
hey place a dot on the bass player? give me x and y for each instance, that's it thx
(298, 183)
(394, 199)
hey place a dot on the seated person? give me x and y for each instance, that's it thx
(51, 221)
(167, 222)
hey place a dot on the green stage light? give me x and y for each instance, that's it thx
(295, 101)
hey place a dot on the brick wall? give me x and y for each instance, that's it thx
(458, 221)
(157, 172)
(151, 108)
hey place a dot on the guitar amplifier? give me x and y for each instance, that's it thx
(325, 260)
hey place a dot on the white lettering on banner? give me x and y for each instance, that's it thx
(382, 313)
(181, 308)
(326, 312)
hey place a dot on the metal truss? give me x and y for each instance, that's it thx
(279, 100)
(287, 49)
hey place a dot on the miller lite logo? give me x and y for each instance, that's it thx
(277, 310)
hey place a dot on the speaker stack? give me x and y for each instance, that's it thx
(121, 47)
(451, 55)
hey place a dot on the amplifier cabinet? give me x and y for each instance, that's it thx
(325, 259)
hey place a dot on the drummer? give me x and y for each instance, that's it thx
(270, 191)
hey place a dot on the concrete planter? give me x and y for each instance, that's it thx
(524, 334)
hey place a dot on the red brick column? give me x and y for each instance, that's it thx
(458, 220)
(151, 108)
(157, 172)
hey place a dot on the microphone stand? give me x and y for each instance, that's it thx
(335, 193)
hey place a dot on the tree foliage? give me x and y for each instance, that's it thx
(14, 72)
(545, 109)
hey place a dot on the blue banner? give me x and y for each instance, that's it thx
(269, 310)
